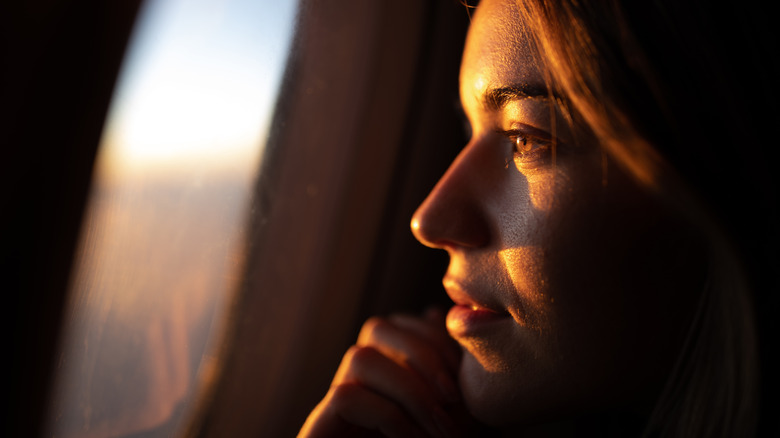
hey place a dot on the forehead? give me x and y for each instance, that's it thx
(497, 53)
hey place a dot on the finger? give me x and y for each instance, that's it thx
(369, 367)
(413, 351)
(360, 406)
(434, 330)
(445, 347)
(350, 410)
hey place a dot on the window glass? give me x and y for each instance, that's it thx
(161, 246)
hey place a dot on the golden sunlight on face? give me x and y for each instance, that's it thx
(561, 286)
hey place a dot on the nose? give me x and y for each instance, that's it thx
(456, 212)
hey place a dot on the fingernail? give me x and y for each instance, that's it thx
(447, 388)
(445, 423)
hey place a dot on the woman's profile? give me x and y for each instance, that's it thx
(609, 226)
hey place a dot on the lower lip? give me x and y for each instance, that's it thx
(468, 321)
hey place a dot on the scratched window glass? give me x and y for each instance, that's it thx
(161, 245)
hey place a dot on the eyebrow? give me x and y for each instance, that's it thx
(495, 99)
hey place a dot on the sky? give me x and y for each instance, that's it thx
(198, 83)
(163, 236)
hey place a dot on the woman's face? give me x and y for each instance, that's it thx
(572, 286)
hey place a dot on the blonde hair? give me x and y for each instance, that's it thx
(592, 58)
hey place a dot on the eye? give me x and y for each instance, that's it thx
(522, 145)
(529, 148)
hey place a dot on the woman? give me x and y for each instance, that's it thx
(601, 269)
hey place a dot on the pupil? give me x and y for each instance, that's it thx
(524, 142)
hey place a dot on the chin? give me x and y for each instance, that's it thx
(492, 395)
(514, 396)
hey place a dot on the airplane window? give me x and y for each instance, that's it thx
(161, 245)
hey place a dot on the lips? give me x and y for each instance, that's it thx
(471, 315)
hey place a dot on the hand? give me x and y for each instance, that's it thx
(398, 381)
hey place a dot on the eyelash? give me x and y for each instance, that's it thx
(528, 148)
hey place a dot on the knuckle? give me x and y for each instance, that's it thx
(372, 326)
(344, 395)
(358, 355)
(352, 364)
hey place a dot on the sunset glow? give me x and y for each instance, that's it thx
(198, 86)
(162, 241)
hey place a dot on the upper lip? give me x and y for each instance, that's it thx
(471, 298)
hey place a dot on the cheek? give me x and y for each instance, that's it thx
(526, 270)
(623, 301)
(593, 272)
(589, 266)
(561, 352)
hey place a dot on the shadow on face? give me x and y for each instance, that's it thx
(591, 280)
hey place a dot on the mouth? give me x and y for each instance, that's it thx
(471, 316)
